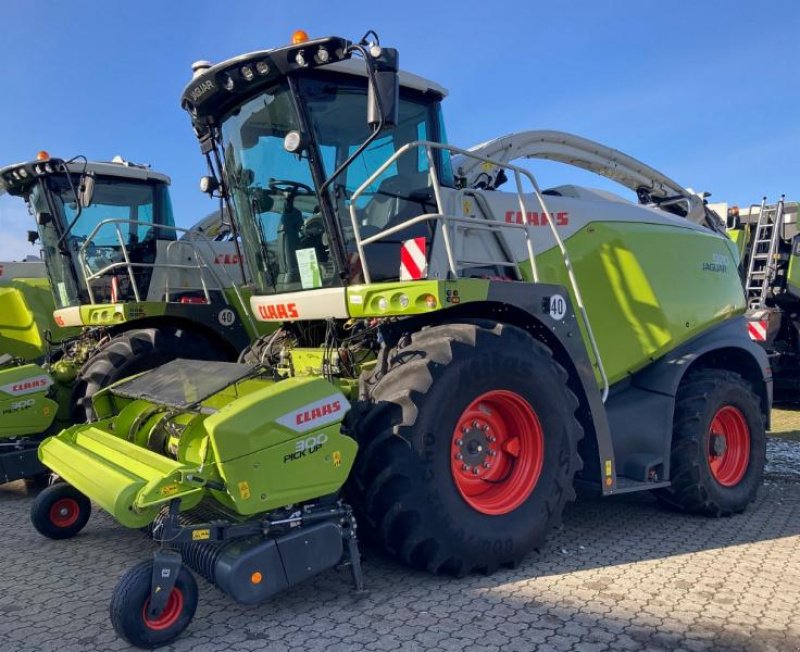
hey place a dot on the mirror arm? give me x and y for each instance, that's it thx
(378, 128)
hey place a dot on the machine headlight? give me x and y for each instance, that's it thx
(247, 73)
(323, 56)
(262, 68)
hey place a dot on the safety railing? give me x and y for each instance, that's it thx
(190, 239)
(448, 222)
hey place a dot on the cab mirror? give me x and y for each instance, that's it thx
(384, 90)
(87, 190)
(43, 219)
(33, 236)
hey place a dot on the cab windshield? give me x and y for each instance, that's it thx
(275, 196)
(122, 220)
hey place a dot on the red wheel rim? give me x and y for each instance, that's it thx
(728, 446)
(169, 616)
(64, 512)
(496, 452)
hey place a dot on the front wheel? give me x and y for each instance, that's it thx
(468, 448)
(131, 598)
(60, 511)
(718, 446)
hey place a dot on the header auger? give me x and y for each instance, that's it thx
(452, 356)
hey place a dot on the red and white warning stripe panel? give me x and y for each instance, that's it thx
(757, 330)
(413, 260)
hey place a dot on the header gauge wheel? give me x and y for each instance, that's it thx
(60, 511)
(131, 597)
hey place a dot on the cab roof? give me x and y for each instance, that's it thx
(16, 178)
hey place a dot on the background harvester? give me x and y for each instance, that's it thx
(124, 291)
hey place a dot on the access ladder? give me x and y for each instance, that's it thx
(763, 258)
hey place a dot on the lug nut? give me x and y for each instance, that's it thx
(487, 465)
(465, 467)
(459, 456)
(474, 424)
(476, 471)
(464, 429)
(492, 439)
(492, 453)
(459, 442)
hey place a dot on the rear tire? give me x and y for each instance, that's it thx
(133, 352)
(60, 511)
(718, 446)
(130, 600)
(411, 489)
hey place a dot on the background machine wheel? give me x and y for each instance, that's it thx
(719, 445)
(130, 601)
(60, 511)
(133, 352)
(469, 448)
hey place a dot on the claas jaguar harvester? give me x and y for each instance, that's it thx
(452, 358)
(125, 290)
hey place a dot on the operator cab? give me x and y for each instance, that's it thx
(100, 225)
(289, 135)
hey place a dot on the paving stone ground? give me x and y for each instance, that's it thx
(621, 574)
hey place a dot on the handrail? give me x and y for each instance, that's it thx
(519, 172)
(201, 265)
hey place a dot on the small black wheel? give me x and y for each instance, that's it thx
(131, 597)
(718, 446)
(60, 511)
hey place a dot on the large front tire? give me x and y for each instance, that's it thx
(468, 448)
(133, 352)
(718, 446)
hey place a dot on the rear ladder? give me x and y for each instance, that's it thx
(763, 264)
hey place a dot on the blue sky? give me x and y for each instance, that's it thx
(706, 91)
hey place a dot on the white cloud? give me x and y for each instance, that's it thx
(14, 226)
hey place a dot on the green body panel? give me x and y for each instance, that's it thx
(268, 462)
(113, 314)
(647, 288)
(24, 411)
(740, 237)
(365, 300)
(793, 274)
(26, 312)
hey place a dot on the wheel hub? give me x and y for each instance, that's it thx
(497, 452)
(718, 445)
(475, 447)
(728, 446)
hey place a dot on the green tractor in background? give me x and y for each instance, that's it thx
(125, 291)
(451, 359)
